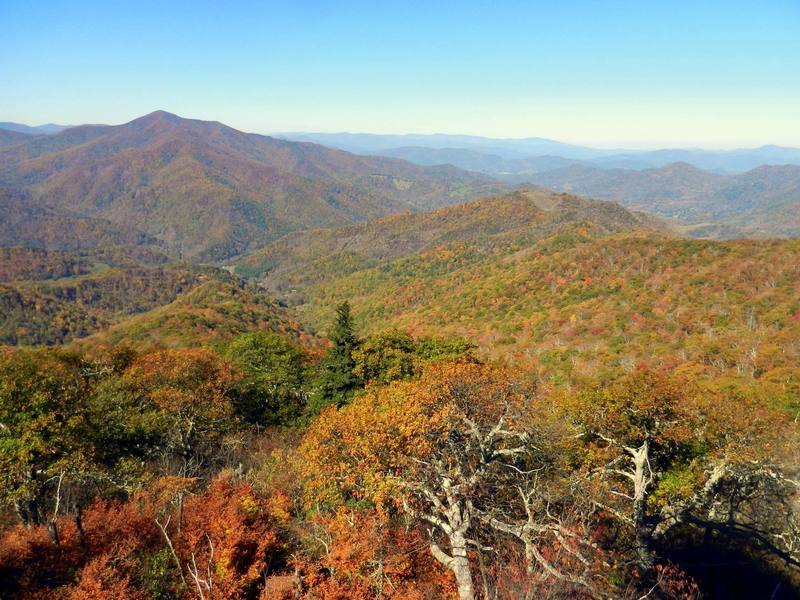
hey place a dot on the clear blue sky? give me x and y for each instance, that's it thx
(661, 73)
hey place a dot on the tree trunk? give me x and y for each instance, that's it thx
(79, 527)
(530, 569)
(641, 482)
(460, 566)
(643, 550)
(297, 583)
(24, 513)
(52, 529)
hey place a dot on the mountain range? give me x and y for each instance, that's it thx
(108, 292)
(209, 191)
(205, 191)
(36, 130)
(680, 190)
(722, 194)
(560, 283)
(312, 256)
(95, 220)
(501, 156)
(510, 157)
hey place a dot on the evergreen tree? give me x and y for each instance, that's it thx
(337, 381)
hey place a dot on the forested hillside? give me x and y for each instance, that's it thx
(51, 312)
(31, 263)
(210, 191)
(209, 314)
(29, 223)
(388, 466)
(685, 192)
(533, 395)
(780, 219)
(572, 302)
(524, 215)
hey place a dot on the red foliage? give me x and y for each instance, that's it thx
(121, 539)
(229, 517)
(674, 584)
(370, 557)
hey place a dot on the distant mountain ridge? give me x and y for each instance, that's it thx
(496, 151)
(510, 169)
(720, 194)
(206, 191)
(464, 149)
(680, 190)
(211, 192)
(372, 143)
(37, 130)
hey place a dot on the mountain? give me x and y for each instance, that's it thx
(680, 190)
(39, 130)
(307, 258)
(29, 223)
(56, 298)
(56, 311)
(720, 161)
(9, 138)
(779, 220)
(19, 263)
(370, 143)
(566, 293)
(211, 192)
(509, 169)
(571, 303)
(460, 151)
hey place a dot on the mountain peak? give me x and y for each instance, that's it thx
(680, 165)
(163, 114)
(158, 116)
(680, 168)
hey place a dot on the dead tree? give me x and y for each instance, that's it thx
(444, 489)
(536, 520)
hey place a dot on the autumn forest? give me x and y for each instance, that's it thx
(240, 367)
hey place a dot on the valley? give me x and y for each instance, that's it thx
(319, 361)
(400, 301)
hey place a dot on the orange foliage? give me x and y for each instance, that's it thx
(176, 378)
(122, 539)
(355, 452)
(231, 517)
(370, 557)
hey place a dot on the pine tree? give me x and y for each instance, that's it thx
(337, 382)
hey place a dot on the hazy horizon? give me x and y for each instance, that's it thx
(719, 75)
(610, 147)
